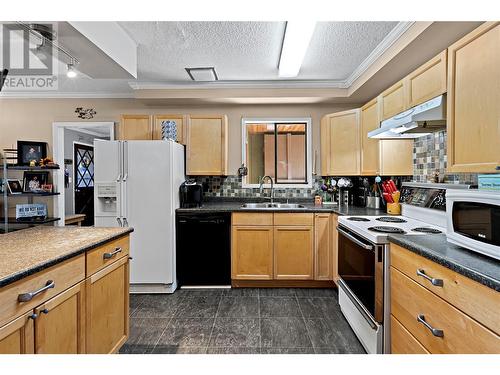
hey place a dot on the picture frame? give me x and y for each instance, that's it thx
(34, 180)
(14, 186)
(30, 150)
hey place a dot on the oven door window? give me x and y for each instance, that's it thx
(479, 221)
(356, 266)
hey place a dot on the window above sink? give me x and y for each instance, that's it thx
(277, 147)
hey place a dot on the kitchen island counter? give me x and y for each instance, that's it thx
(25, 252)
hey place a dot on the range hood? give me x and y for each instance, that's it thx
(416, 122)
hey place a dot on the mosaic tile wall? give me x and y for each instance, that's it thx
(429, 159)
(230, 186)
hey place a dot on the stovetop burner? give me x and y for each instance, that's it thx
(427, 230)
(387, 229)
(355, 218)
(391, 219)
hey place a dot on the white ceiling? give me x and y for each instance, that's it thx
(240, 51)
(249, 50)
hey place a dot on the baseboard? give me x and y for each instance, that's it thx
(283, 284)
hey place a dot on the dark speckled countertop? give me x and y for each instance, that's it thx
(25, 252)
(480, 268)
(235, 206)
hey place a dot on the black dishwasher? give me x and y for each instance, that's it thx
(203, 249)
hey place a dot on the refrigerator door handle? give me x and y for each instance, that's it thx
(125, 222)
(119, 222)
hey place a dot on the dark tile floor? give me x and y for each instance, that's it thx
(240, 321)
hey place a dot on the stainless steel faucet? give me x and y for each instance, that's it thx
(261, 187)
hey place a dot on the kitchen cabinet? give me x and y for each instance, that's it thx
(341, 143)
(252, 252)
(76, 309)
(323, 247)
(60, 323)
(393, 100)
(107, 319)
(396, 157)
(453, 305)
(180, 121)
(135, 127)
(206, 145)
(293, 252)
(369, 146)
(17, 337)
(335, 271)
(473, 101)
(427, 81)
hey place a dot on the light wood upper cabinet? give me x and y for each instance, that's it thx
(293, 253)
(393, 100)
(206, 145)
(17, 337)
(135, 127)
(180, 121)
(107, 299)
(323, 245)
(396, 157)
(473, 106)
(369, 146)
(428, 81)
(60, 325)
(252, 252)
(341, 150)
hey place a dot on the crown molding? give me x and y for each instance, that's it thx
(396, 33)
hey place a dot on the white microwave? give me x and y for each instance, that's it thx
(473, 220)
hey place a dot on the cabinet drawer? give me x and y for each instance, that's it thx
(62, 275)
(459, 333)
(293, 219)
(252, 218)
(476, 300)
(402, 342)
(106, 254)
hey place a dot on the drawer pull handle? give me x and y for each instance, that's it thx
(436, 332)
(435, 282)
(25, 297)
(112, 254)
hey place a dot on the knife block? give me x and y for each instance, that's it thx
(393, 208)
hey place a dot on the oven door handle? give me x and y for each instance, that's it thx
(355, 240)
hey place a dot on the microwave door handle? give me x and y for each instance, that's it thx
(355, 240)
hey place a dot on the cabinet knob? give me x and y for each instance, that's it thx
(44, 311)
(33, 316)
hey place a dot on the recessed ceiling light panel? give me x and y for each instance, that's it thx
(295, 43)
(206, 74)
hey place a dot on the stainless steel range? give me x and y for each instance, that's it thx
(363, 258)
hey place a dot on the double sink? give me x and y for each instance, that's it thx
(272, 206)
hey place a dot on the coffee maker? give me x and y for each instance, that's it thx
(191, 194)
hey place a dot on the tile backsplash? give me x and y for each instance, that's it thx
(231, 186)
(429, 159)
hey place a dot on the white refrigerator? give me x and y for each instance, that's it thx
(137, 185)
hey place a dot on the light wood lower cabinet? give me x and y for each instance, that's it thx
(107, 300)
(60, 323)
(76, 314)
(252, 252)
(335, 265)
(402, 342)
(293, 252)
(282, 246)
(323, 245)
(16, 337)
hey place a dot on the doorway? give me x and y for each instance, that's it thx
(83, 160)
(74, 153)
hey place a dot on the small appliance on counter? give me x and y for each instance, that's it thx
(473, 220)
(191, 194)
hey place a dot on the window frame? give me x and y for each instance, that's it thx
(279, 120)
